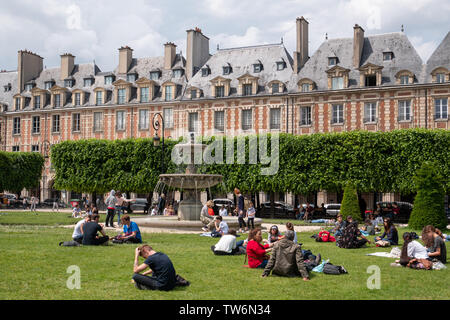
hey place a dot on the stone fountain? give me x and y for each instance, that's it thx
(190, 183)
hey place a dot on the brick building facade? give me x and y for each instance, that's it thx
(373, 83)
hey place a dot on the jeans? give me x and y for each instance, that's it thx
(252, 222)
(149, 283)
(110, 217)
(241, 223)
(119, 211)
(385, 239)
(263, 264)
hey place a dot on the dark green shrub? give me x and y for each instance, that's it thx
(350, 203)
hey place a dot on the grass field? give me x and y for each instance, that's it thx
(35, 267)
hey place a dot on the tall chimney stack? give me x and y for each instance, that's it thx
(29, 66)
(301, 55)
(67, 65)
(170, 54)
(358, 44)
(125, 59)
(197, 51)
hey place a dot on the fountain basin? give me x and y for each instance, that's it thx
(173, 223)
(191, 181)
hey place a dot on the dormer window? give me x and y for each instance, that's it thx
(257, 67)
(193, 93)
(155, 75)
(440, 77)
(388, 56)
(281, 65)
(29, 86)
(109, 80)
(206, 71)
(18, 100)
(177, 73)
(275, 87)
(7, 87)
(306, 87)
(88, 82)
(49, 85)
(404, 79)
(68, 83)
(132, 77)
(332, 61)
(227, 69)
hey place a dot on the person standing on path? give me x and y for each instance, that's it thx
(111, 207)
(55, 205)
(33, 203)
(241, 210)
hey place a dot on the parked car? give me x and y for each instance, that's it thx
(405, 209)
(281, 210)
(218, 203)
(138, 205)
(48, 203)
(332, 209)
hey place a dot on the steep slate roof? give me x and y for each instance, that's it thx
(241, 61)
(405, 58)
(439, 58)
(10, 77)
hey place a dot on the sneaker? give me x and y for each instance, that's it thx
(205, 229)
(61, 243)
(318, 259)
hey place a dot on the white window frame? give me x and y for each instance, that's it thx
(56, 123)
(121, 96)
(305, 116)
(337, 83)
(404, 110)
(144, 119)
(370, 112)
(145, 94)
(441, 108)
(193, 123)
(120, 120)
(98, 121)
(16, 125)
(337, 114)
(219, 121)
(36, 125)
(168, 118)
(247, 119)
(76, 122)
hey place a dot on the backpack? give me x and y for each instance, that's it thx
(69, 244)
(329, 268)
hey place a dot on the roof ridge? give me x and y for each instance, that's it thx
(254, 46)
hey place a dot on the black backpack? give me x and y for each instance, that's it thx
(329, 268)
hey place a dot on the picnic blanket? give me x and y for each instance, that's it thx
(395, 253)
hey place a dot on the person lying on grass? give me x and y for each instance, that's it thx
(286, 259)
(131, 232)
(163, 272)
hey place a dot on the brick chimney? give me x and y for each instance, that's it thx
(197, 51)
(169, 55)
(67, 65)
(125, 59)
(358, 44)
(301, 55)
(29, 66)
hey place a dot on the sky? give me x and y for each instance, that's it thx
(94, 30)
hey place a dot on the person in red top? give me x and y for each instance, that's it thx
(256, 252)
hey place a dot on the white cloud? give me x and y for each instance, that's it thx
(252, 36)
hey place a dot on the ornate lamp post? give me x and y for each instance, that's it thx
(156, 139)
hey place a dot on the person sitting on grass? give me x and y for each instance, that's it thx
(221, 227)
(412, 249)
(76, 212)
(390, 232)
(435, 244)
(286, 259)
(159, 265)
(351, 237)
(368, 228)
(290, 226)
(90, 229)
(274, 235)
(77, 235)
(227, 245)
(338, 226)
(131, 232)
(256, 252)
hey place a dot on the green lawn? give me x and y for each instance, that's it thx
(35, 267)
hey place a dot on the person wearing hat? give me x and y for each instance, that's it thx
(287, 259)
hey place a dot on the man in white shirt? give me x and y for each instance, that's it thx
(226, 245)
(78, 231)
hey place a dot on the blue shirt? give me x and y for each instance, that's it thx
(133, 227)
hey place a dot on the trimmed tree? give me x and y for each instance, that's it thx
(429, 208)
(350, 203)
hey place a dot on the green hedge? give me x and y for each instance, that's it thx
(372, 161)
(19, 170)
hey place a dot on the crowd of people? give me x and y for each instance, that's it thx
(280, 254)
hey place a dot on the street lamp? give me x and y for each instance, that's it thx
(156, 139)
